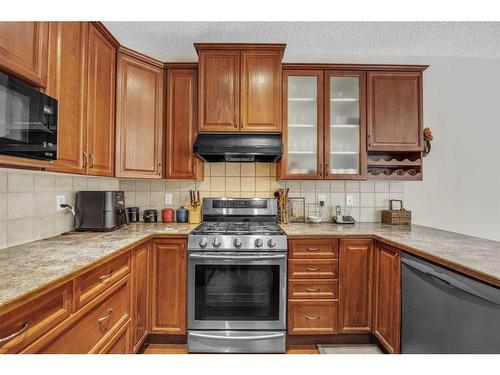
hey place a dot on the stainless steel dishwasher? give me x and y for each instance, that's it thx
(446, 312)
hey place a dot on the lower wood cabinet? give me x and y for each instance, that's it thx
(312, 317)
(387, 322)
(169, 286)
(141, 282)
(120, 343)
(355, 285)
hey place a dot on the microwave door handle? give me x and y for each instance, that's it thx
(237, 257)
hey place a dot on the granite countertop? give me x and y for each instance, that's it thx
(29, 267)
(472, 255)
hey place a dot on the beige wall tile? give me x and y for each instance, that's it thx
(367, 186)
(294, 186)
(3, 206)
(157, 199)
(203, 185)
(185, 198)
(206, 169)
(352, 186)
(127, 185)
(44, 182)
(233, 194)
(20, 205)
(367, 199)
(217, 169)
(64, 183)
(129, 198)
(247, 169)
(93, 183)
(64, 222)
(398, 196)
(382, 200)
(109, 184)
(3, 182)
(187, 185)
(262, 184)
(80, 183)
(248, 184)
(20, 231)
(367, 215)
(3, 234)
(176, 199)
(381, 186)
(173, 185)
(45, 226)
(217, 183)
(233, 169)
(158, 185)
(232, 183)
(218, 194)
(247, 194)
(308, 186)
(262, 169)
(45, 203)
(20, 182)
(274, 169)
(143, 185)
(396, 186)
(322, 186)
(337, 186)
(337, 199)
(143, 198)
(275, 185)
(263, 194)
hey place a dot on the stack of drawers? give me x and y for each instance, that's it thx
(312, 286)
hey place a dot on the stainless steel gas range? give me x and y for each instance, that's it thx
(237, 278)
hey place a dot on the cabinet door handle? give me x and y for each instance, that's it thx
(321, 170)
(316, 317)
(327, 169)
(312, 290)
(312, 269)
(85, 159)
(313, 249)
(15, 334)
(104, 318)
(236, 124)
(92, 160)
(105, 278)
(369, 139)
(395, 265)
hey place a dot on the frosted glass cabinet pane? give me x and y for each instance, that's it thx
(344, 125)
(302, 125)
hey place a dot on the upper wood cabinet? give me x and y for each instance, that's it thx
(182, 118)
(139, 116)
(169, 286)
(239, 87)
(355, 285)
(23, 50)
(387, 322)
(66, 81)
(395, 111)
(325, 128)
(100, 104)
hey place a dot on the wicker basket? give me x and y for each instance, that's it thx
(396, 217)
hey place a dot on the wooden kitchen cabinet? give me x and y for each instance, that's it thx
(169, 286)
(23, 50)
(66, 81)
(101, 69)
(387, 320)
(182, 119)
(141, 282)
(239, 87)
(394, 111)
(139, 116)
(355, 285)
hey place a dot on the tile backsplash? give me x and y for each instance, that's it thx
(28, 203)
(259, 180)
(28, 198)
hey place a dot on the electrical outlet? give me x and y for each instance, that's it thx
(349, 200)
(168, 198)
(60, 199)
(321, 198)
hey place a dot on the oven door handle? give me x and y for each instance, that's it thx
(238, 338)
(238, 257)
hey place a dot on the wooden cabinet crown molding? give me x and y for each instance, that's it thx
(140, 56)
(363, 67)
(241, 46)
(105, 32)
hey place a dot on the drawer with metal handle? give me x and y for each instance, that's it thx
(22, 325)
(92, 327)
(310, 289)
(97, 280)
(312, 317)
(312, 268)
(313, 249)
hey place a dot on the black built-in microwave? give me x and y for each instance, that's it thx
(28, 121)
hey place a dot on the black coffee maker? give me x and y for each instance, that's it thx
(101, 211)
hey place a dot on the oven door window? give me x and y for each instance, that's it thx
(237, 292)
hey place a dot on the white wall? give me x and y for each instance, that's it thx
(461, 187)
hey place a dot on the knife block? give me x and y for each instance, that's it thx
(194, 216)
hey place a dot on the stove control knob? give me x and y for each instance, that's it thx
(203, 242)
(271, 242)
(237, 242)
(216, 242)
(258, 242)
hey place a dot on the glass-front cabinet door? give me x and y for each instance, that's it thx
(303, 120)
(345, 126)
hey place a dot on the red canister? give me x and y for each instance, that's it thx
(167, 215)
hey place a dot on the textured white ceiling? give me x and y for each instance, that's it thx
(315, 41)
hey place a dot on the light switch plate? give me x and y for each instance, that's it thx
(60, 199)
(349, 200)
(321, 198)
(168, 198)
